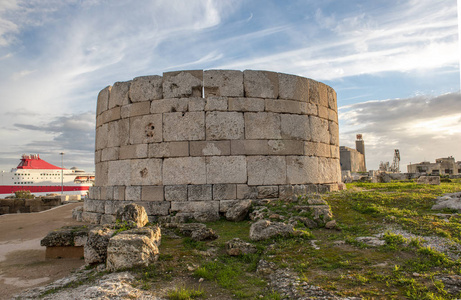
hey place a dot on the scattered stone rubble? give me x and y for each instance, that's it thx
(290, 286)
(110, 286)
(448, 201)
(435, 180)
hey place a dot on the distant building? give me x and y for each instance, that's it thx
(353, 159)
(442, 166)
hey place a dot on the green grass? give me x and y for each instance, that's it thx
(183, 293)
(403, 268)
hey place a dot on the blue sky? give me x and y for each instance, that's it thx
(394, 64)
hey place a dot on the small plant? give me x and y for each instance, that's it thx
(23, 194)
(183, 293)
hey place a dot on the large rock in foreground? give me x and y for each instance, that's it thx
(135, 215)
(95, 250)
(131, 248)
(263, 230)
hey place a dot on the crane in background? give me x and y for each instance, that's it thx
(395, 167)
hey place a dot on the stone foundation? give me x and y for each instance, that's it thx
(202, 140)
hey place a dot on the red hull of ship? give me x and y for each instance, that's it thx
(10, 189)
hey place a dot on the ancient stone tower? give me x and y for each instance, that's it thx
(202, 140)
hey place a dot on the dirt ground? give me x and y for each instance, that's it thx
(22, 259)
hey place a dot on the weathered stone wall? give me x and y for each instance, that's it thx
(13, 205)
(202, 140)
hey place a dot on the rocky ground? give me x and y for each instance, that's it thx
(378, 241)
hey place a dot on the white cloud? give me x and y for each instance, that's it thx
(422, 128)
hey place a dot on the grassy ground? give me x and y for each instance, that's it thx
(403, 268)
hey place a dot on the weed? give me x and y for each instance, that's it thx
(183, 293)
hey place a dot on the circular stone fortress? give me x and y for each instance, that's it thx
(195, 141)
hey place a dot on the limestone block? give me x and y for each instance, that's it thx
(327, 170)
(97, 156)
(169, 149)
(111, 207)
(313, 91)
(129, 250)
(260, 84)
(93, 206)
(226, 169)
(309, 109)
(334, 150)
(113, 135)
(107, 219)
(216, 104)
(293, 87)
(101, 174)
(124, 131)
(196, 104)
(119, 193)
(262, 125)
(266, 170)
(267, 147)
(224, 191)
(113, 114)
(319, 130)
(332, 102)
(105, 193)
(323, 112)
(311, 189)
(302, 169)
(225, 205)
(146, 129)
(332, 115)
(176, 192)
(101, 136)
(228, 83)
(119, 94)
(285, 106)
(224, 125)
(109, 193)
(146, 171)
(133, 193)
(323, 97)
(193, 206)
(179, 84)
(120, 172)
(135, 109)
(189, 126)
(249, 147)
(268, 191)
(209, 148)
(296, 127)
(156, 208)
(110, 153)
(334, 133)
(169, 105)
(317, 149)
(246, 104)
(286, 191)
(199, 192)
(285, 147)
(103, 118)
(146, 88)
(94, 192)
(103, 100)
(99, 120)
(184, 170)
(133, 151)
(91, 217)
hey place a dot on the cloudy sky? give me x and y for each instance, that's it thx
(395, 65)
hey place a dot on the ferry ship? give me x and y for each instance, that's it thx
(41, 178)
